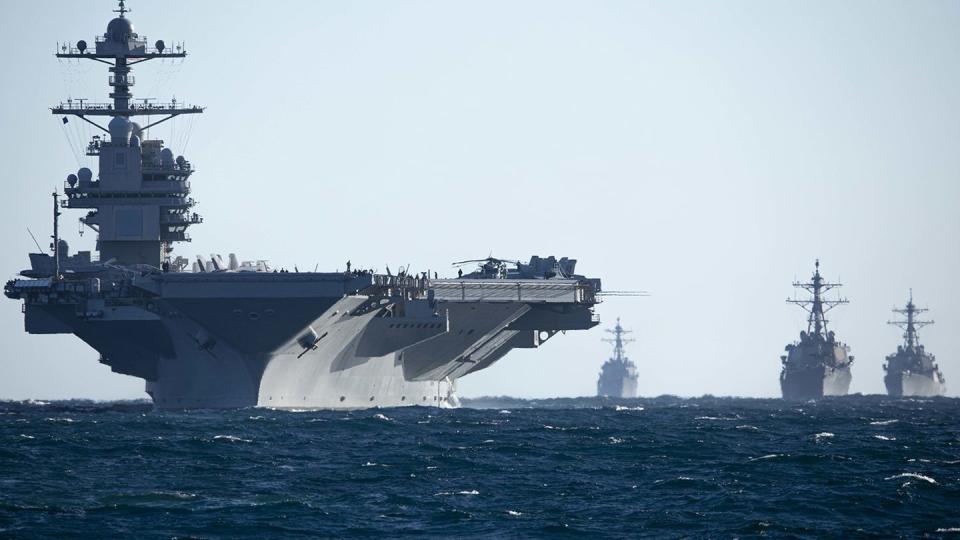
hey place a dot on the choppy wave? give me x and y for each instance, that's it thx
(592, 467)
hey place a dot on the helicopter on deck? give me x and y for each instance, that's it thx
(537, 268)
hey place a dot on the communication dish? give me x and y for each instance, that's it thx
(160, 45)
(81, 45)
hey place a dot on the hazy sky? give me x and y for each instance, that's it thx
(707, 152)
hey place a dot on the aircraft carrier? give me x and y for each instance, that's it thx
(618, 375)
(912, 371)
(818, 364)
(218, 334)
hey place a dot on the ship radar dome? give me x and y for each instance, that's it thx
(120, 129)
(166, 158)
(120, 29)
(137, 130)
(85, 174)
(72, 180)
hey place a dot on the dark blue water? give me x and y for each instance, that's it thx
(860, 466)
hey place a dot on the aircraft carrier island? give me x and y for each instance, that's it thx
(818, 364)
(217, 334)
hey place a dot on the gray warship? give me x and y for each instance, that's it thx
(226, 334)
(817, 365)
(912, 371)
(618, 376)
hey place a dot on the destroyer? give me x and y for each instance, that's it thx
(912, 371)
(818, 365)
(235, 334)
(618, 376)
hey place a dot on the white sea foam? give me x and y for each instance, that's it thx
(680, 478)
(230, 438)
(380, 416)
(883, 422)
(623, 408)
(768, 456)
(912, 475)
(884, 438)
(514, 513)
(949, 530)
(174, 494)
(822, 435)
(24, 436)
(449, 493)
(504, 411)
(615, 440)
(64, 420)
(748, 428)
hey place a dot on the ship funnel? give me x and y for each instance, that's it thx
(234, 264)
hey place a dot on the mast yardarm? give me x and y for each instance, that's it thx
(817, 306)
(910, 324)
(618, 341)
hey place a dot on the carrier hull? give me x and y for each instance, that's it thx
(308, 341)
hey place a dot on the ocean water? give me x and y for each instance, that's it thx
(861, 466)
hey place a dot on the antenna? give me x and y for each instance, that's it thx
(623, 293)
(816, 306)
(122, 9)
(56, 235)
(40, 249)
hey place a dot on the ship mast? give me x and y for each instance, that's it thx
(618, 341)
(910, 325)
(120, 48)
(817, 306)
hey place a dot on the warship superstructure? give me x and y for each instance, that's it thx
(818, 364)
(912, 371)
(215, 334)
(618, 376)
